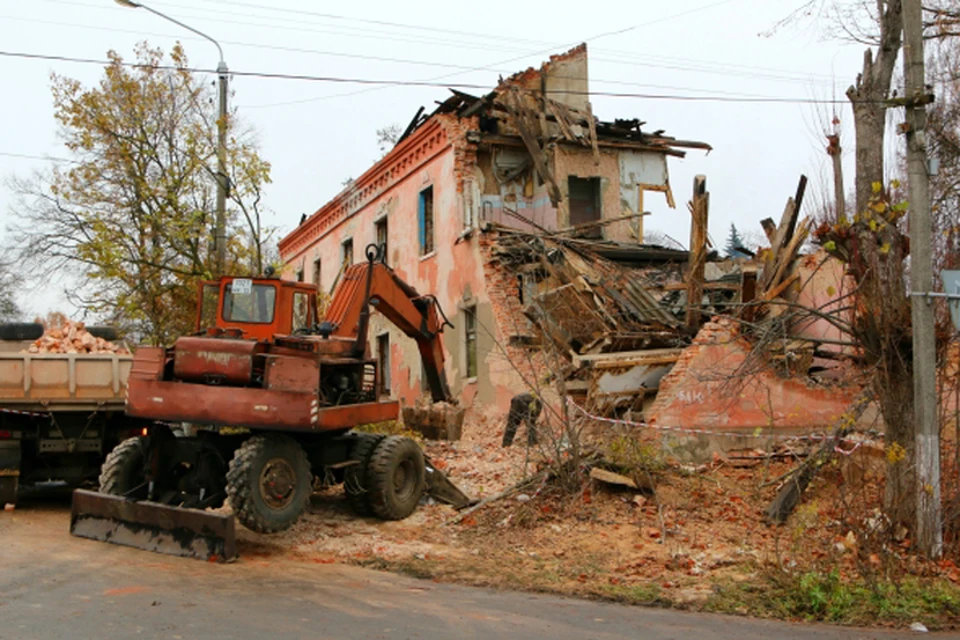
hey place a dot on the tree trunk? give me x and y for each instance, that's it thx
(884, 318)
(867, 95)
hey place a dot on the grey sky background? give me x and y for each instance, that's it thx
(317, 134)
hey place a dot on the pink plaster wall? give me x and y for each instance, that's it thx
(705, 390)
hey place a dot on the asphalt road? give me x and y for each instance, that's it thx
(55, 586)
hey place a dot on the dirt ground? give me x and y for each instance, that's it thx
(697, 541)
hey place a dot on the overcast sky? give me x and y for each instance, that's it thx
(318, 133)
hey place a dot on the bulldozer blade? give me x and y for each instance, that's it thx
(153, 526)
(440, 488)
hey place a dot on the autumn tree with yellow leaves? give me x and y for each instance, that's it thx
(132, 217)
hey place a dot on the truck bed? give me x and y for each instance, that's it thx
(64, 382)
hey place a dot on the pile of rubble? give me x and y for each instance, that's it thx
(72, 337)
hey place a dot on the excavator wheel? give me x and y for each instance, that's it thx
(269, 483)
(124, 469)
(396, 476)
(356, 483)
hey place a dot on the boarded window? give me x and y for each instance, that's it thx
(382, 235)
(584, 197)
(383, 363)
(346, 253)
(425, 215)
(470, 339)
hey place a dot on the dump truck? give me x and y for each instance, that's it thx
(60, 414)
(270, 395)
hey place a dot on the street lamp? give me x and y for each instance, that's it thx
(220, 231)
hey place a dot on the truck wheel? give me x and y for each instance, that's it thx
(110, 334)
(269, 483)
(21, 331)
(356, 483)
(396, 476)
(124, 469)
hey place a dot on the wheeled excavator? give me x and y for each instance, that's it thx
(258, 406)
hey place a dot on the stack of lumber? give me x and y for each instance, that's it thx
(72, 337)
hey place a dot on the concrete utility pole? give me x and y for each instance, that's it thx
(929, 527)
(223, 180)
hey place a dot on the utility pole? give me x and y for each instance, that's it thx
(929, 527)
(223, 179)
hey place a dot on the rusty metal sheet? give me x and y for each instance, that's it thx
(203, 359)
(292, 373)
(218, 405)
(353, 415)
(153, 527)
(248, 407)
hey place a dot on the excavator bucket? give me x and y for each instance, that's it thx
(154, 527)
(439, 421)
(440, 488)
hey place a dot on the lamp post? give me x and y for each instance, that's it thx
(220, 231)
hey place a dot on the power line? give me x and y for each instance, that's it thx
(28, 156)
(419, 83)
(726, 70)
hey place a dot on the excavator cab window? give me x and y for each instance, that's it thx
(301, 311)
(246, 301)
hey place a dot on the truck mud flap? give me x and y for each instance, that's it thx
(440, 488)
(153, 527)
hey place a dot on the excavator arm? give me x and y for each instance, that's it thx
(375, 284)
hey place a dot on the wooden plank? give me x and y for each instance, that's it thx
(780, 288)
(769, 228)
(789, 254)
(698, 252)
(787, 222)
(592, 124)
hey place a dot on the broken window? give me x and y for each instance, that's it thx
(383, 363)
(346, 253)
(316, 272)
(584, 198)
(470, 339)
(300, 274)
(301, 311)
(425, 214)
(382, 235)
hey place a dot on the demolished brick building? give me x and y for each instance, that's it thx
(528, 156)
(523, 214)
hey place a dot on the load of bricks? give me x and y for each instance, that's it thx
(72, 337)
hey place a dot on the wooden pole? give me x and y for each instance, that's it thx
(698, 251)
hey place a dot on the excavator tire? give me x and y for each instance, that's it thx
(123, 469)
(269, 483)
(397, 476)
(356, 484)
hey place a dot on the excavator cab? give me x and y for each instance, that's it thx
(255, 308)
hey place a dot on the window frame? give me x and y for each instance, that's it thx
(426, 221)
(470, 343)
